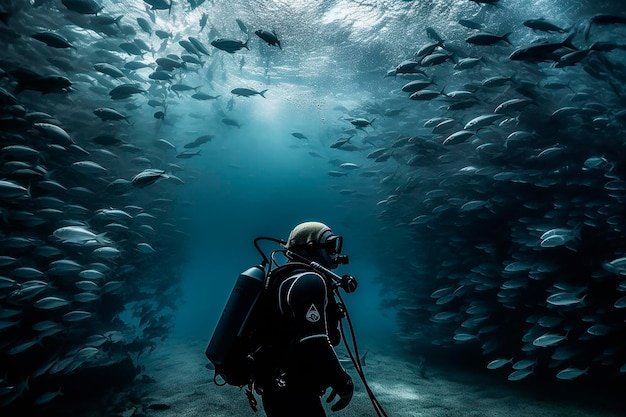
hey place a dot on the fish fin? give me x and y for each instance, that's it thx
(587, 29)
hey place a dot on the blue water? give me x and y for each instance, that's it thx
(260, 180)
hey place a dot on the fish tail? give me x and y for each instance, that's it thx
(262, 93)
(117, 20)
(505, 38)
(245, 45)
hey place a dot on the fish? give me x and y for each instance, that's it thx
(187, 155)
(189, 47)
(131, 48)
(10, 189)
(520, 374)
(470, 24)
(499, 363)
(408, 67)
(467, 63)
(106, 252)
(229, 45)
(203, 21)
(416, 85)
(125, 91)
(458, 137)
(538, 52)
(486, 39)
(160, 5)
(571, 373)
(145, 248)
(197, 44)
(242, 26)
(204, 96)
(428, 49)
(109, 69)
(89, 167)
(78, 235)
(543, 25)
(51, 303)
(52, 39)
(548, 339)
(231, 122)
(361, 123)
(199, 141)
(77, 315)
(148, 177)
(564, 299)
(349, 165)
(144, 25)
(46, 84)
(109, 114)
(162, 34)
(299, 135)
(426, 95)
(271, 38)
(182, 87)
(340, 142)
(482, 121)
(573, 58)
(512, 105)
(247, 92)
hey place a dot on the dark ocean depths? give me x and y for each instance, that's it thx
(471, 154)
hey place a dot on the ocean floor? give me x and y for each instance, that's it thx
(176, 383)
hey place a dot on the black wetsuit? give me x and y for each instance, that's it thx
(304, 323)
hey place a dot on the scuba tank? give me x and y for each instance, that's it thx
(227, 345)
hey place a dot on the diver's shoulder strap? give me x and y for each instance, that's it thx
(279, 274)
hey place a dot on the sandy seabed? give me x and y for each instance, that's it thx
(176, 383)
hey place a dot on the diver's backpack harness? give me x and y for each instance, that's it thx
(241, 332)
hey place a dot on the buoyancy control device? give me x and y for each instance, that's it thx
(237, 337)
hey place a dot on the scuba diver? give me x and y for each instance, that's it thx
(280, 325)
(305, 321)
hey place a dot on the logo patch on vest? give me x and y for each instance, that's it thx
(312, 315)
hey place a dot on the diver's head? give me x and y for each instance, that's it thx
(316, 242)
